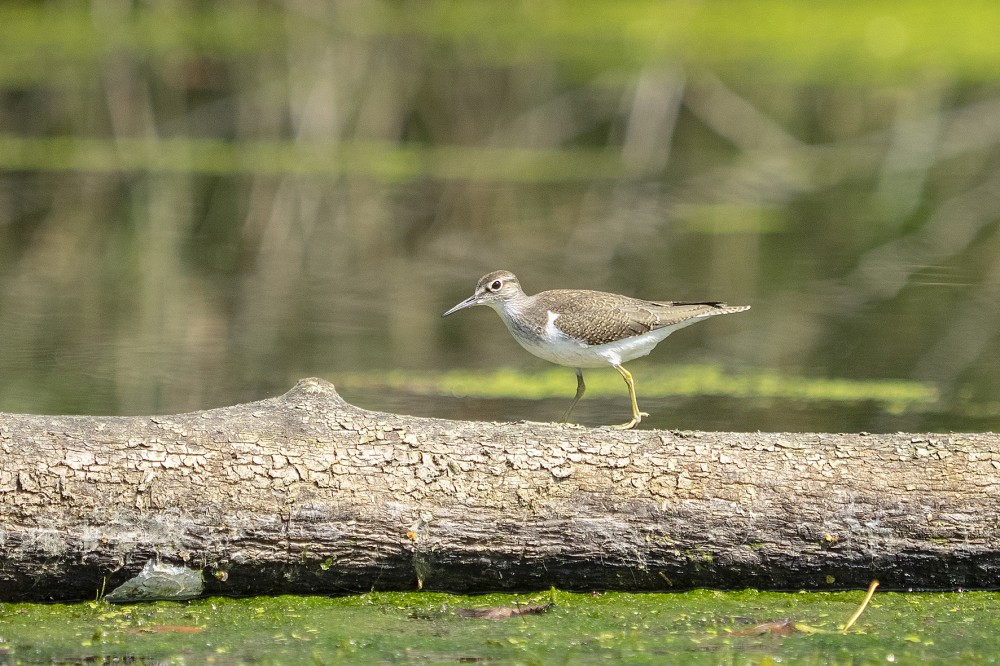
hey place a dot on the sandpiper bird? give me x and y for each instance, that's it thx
(587, 329)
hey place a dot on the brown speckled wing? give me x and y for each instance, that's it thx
(597, 317)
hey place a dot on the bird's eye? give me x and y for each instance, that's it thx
(496, 285)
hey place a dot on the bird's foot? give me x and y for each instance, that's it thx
(631, 424)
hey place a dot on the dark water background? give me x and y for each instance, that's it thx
(202, 202)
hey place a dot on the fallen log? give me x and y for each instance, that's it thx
(305, 493)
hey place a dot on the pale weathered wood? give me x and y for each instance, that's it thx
(307, 494)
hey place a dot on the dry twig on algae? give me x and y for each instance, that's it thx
(861, 608)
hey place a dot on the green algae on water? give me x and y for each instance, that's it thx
(698, 627)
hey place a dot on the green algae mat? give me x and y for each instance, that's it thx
(698, 627)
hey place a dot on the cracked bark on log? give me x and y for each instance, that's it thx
(306, 493)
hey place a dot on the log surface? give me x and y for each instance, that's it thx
(306, 493)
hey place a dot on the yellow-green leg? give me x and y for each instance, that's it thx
(580, 388)
(636, 414)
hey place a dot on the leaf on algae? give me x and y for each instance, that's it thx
(165, 629)
(503, 612)
(775, 628)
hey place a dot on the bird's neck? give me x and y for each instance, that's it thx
(519, 316)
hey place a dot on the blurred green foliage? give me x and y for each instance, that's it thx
(781, 40)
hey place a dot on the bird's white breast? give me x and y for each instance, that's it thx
(555, 346)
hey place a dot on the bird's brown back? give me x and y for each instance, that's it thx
(598, 317)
